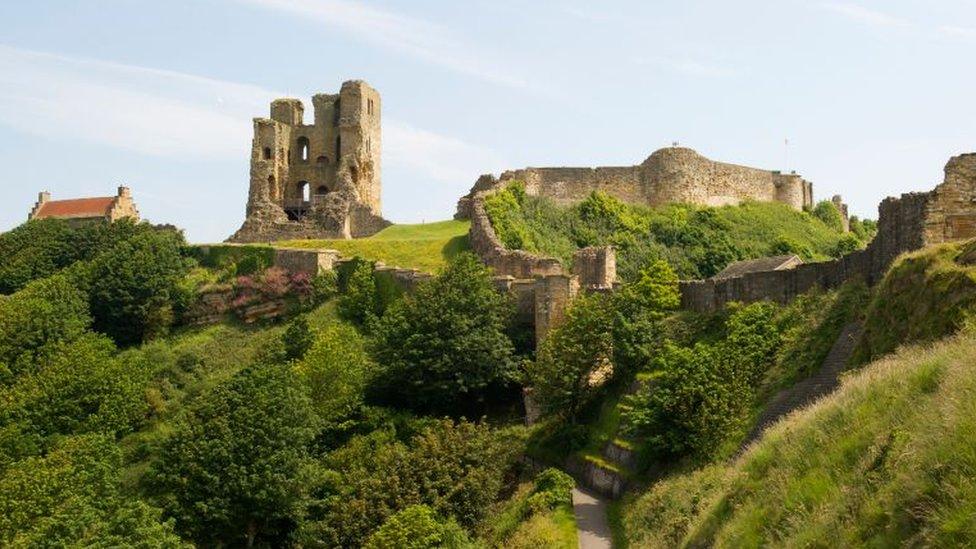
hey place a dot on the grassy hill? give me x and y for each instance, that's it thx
(697, 241)
(424, 246)
(886, 460)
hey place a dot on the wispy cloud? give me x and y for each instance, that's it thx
(864, 15)
(404, 34)
(176, 115)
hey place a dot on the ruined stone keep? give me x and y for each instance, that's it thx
(673, 174)
(318, 180)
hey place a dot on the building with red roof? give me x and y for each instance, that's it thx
(101, 208)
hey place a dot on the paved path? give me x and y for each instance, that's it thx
(591, 520)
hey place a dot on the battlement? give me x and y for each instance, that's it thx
(321, 179)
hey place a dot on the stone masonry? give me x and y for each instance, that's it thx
(320, 180)
(674, 174)
(915, 220)
(83, 210)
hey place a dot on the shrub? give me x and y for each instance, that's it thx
(231, 472)
(574, 359)
(335, 369)
(639, 307)
(359, 303)
(456, 469)
(132, 285)
(827, 212)
(48, 311)
(848, 243)
(297, 339)
(443, 348)
(416, 527)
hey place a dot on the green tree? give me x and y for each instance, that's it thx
(336, 369)
(71, 498)
(132, 285)
(849, 242)
(638, 308)
(232, 472)
(574, 358)
(443, 347)
(298, 338)
(416, 527)
(47, 311)
(36, 249)
(827, 212)
(456, 469)
(359, 303)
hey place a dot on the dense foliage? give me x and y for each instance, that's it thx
(443, 347)
(697, 242)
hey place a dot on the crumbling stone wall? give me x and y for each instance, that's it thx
(596, 267)
(675, 174)
(907, 223)
(553, 294)
(320, 180)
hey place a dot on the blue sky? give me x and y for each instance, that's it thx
(874, 97)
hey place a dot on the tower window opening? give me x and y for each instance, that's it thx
(322, 160)
(321, 191)
(267, 153)
(303, 148)
(304, 190)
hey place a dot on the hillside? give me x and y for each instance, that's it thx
(696, 241)
(424, 246)
(886, 460)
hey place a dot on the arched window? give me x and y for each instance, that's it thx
(267, 153)
(322, 160)
(303, 148)
(321, 191)
(304, 190)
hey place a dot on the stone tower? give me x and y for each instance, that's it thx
(318, 180)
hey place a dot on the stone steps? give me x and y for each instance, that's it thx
(820, 384)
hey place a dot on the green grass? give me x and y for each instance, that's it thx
(888, 460)
(925, 295)
(507, 526)
(424, 246)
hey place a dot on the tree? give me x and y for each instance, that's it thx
(443, 348)
(574, 358)
(335, 371)
(702, 392)
(71, 497)
(132, 285)
(358, 303)
(232, 470)
(638, 308)
(47, 311)
(827, 212)
(456, 469)
(297, 339)
(416, 527)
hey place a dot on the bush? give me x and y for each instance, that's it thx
(443, 348)
(575, 358)
(132, 285)
(456, 469)
(232, 470)
(359, 303)
(703, 392)
(828, 213)
(847, 244)
(335, 369)
(416, 527)
(46, 312)
(639, 307)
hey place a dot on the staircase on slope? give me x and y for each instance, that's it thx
(805, 392)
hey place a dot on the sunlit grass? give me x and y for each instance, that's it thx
(423, 246)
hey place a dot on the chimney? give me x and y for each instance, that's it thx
(124, 192)
(43, 196)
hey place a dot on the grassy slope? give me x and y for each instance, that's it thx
(752, 228)
(925, 295)
(506, 527)
(426, 246)
(888, 459)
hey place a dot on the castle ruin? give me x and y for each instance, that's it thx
(320, 180)
(673, 174)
